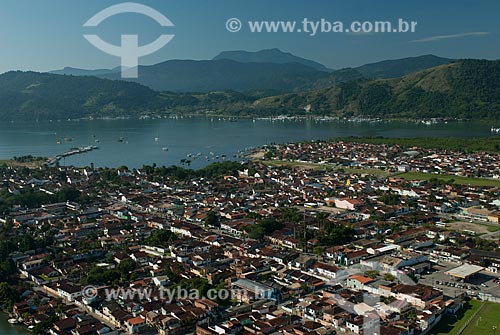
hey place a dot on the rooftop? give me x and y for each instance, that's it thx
(464, 271)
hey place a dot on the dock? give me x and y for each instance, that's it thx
(72, 152)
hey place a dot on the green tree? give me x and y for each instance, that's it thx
(389, 277)
(161, 238)
(372, 274)
(126, 267)
(212, 220)
(8, 296)
(318, 250)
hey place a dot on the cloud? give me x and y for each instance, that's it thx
(446, 37)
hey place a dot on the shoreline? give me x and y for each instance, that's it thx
(236, 117)
(12, 329)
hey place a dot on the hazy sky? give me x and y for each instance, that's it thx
(45, 35)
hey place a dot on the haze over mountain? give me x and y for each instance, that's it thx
(224, 74)
(268, 72)
(83, 72)
(32, 96)
(399, 67)
(468, 89)
(275, 56)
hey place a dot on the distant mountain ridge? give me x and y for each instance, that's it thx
(32, 96)
(400, 67)
(83, 72)
(468, 89)
(274, 56)
(465, 89)
(267, 72)
(223, 74)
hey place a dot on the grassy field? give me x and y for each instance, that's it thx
(493, 229)
(375, 172)
(481, 323)
(316, 166)
(382, 173)
(456, 179)
(478, 144)
(13, 163)
(301, 165)
(485, 320)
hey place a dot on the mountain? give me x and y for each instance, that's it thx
(275, 56)
(224, 74)
(400, 67)
(42, 96)
(32, 96)
(216, 75)
(82, 72)
(264, 73)
(468, 89)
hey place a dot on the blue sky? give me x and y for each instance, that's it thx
(43, 35)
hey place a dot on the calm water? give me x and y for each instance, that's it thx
(189, 136)
(8, 329)
(192, 136)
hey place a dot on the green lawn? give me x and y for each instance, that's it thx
(481, 324)
(381, 173)
(301, 165)
(317, 166)
(374, 172)
(47, 278)
(457, 179)
(492, 230)
(484, 322)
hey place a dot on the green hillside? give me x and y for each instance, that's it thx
(463, 89)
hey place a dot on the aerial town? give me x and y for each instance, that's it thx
(308, 238)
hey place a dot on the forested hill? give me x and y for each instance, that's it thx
(467, 89)
(463, 89)
(32, 96)
(41, 96)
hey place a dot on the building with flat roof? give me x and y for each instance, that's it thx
(463, 272)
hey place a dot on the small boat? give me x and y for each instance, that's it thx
(157, 139)
(164, 149)
(121, 139)
(13, 321)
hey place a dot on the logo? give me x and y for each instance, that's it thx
(129, 51)
(233, 25)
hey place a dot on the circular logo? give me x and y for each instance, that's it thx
(89, 292)
(233, 25)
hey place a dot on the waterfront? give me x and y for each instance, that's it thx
(133, 142)
(8, 329)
